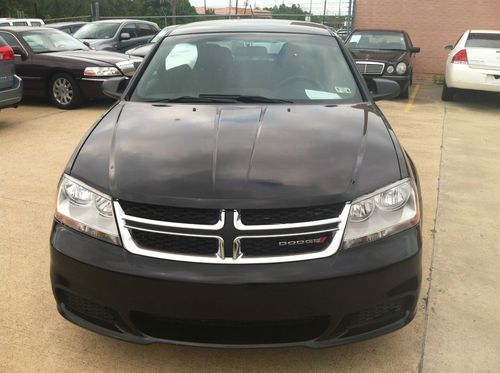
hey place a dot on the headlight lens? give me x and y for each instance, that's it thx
(393, 209)
(101, 71)
(86, 210)
(390, 69)
(401, 68)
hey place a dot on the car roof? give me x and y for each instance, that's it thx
(59, 24)
(252, 25)
(23, 28)
(486, 31)
(121, 21)
(377, 29)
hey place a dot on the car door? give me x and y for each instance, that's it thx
(125, 44)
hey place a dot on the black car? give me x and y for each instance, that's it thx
(54, 64)
(67, 27)
(143, 50)
(117, 35)
(244, 191)
(384, 53)
(11, 86)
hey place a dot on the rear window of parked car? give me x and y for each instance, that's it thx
(483, 40)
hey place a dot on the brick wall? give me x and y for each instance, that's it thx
(432, 24)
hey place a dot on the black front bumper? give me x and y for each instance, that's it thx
(356, 294)
(92, 88)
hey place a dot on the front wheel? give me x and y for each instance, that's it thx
(448, 93)
(64, 91)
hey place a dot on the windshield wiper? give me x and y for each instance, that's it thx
(195, 99)
(247, 98)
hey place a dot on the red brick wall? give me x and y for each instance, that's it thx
(432, 24)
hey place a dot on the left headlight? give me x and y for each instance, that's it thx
(86, 210)
(385, 212)
(401, 68)
(101, 71)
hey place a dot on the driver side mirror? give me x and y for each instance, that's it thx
(385, 89)
(415, 50)
(124, 36)
(20, 52)
(115, 87)
(449, 47)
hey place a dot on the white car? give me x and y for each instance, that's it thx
(21, 22)
(473, 63)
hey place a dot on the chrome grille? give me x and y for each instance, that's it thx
(230, 241)
(370, 68)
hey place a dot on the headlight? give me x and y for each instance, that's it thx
(387, 211)
(86, 210)
(390, 69)
(101, 71)
(401, 68)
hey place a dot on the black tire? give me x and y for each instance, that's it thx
(448, 93)
(65, 92)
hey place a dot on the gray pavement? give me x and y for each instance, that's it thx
(456, 147)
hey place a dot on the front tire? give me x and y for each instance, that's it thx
(448, 93)
(65, 92)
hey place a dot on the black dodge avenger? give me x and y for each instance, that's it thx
(244, 191)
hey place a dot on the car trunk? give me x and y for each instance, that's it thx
(483, 51)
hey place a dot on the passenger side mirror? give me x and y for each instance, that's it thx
(124, 36)
(449, 47)
(115, 87)
(386, 89)
(86, 43)
(20, 52)
(415, 50)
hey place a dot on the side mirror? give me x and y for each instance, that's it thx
(449, 47)
(415, 50)
(86, 43)
(124, 36)
(386, 89)
(20, 52)
(115, 87)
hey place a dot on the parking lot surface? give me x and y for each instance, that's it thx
(456, 147)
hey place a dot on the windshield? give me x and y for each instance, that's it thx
(252, 67)
(483, 40)
(101, 30)
(377, 40)
(52, 41)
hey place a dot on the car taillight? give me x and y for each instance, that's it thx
(6, 53)
(460, 57)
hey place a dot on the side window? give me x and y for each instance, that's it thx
(20, 23)
(4, 24)
(35, 23)
(131, 29)
(10, 39)
(143, 29)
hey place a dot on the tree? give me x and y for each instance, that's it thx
(283, 11)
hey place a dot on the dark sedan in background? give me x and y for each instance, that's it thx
(11, 87)
(67, 27)
(384, 54)
(117, 35)
(53, 63)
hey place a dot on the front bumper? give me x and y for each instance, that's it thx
(353, 295)
(92, 88)
(12, 96)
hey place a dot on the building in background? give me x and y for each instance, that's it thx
(432, 24)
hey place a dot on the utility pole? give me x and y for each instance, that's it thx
(324, 13)
(205, 6)
(236, 12)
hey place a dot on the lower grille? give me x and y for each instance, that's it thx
(186, 245)
(370, 68)
(231, 331)
(289, 245)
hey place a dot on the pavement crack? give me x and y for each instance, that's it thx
(434, 233)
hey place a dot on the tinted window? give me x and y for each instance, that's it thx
(299, 68)
(145, 30)
(483, 40)
(20, 23)
(52, 41)
(4, 24)
(10, 39)
(377, 40)
(101, 30)
(131, 29)
(2, 42)
(35, 23)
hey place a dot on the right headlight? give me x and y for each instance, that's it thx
(86, 210)
(386, 211)
(401, 68)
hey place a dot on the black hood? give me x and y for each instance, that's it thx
(90, 57)
(238, 156)
(379, 55)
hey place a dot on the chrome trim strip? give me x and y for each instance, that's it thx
(242, 227)
(161, 223)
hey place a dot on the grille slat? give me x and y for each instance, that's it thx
(371, 68)
(171, 214)
(186, 245)
(290, 215)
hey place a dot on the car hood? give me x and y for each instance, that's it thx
(91, 57)
(238, 156)
(379, 55)
(141, 51)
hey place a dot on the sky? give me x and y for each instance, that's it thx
(332, 6)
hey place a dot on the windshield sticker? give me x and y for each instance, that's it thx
(343, 90)
(355, 38)
(182, 54)
(321, 95)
